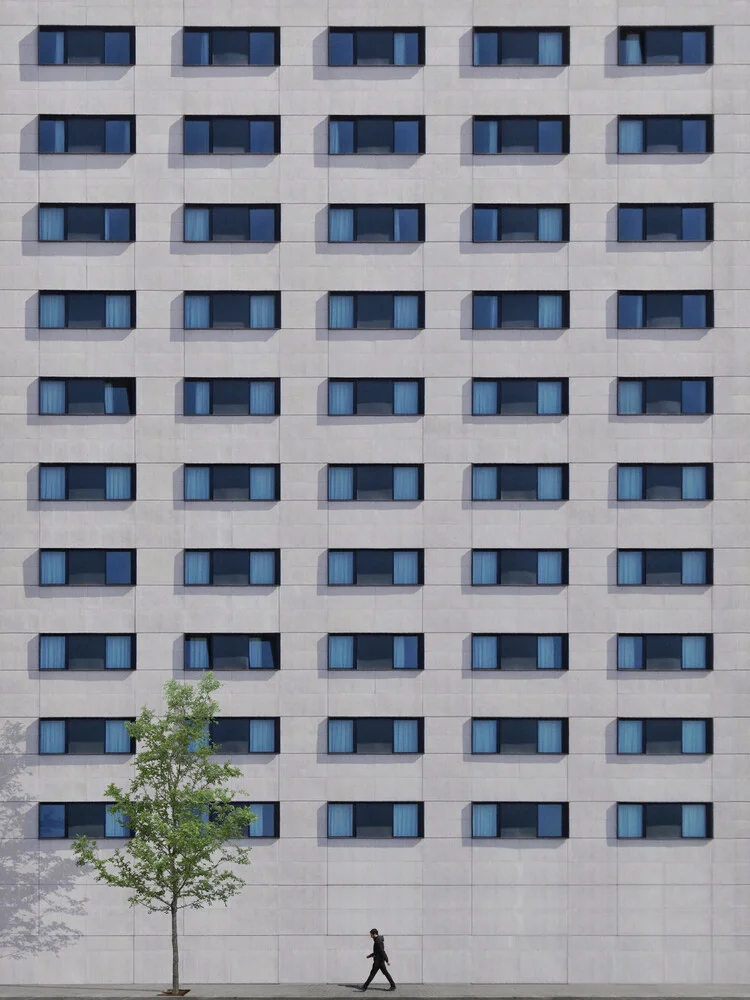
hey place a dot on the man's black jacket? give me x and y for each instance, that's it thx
(378, 950)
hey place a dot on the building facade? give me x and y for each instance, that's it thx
(392, 360)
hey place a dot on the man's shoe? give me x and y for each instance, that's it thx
(391, 987)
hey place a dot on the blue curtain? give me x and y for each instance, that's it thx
(694, 311)
(486, 312)
(629, 568)
(196, 654)
(549, 650)
(263, 825)
(400, 56)
(341, 568)
(52, 482)
(52, 652)
(115, 825)
(52, 136)
(629, 397)
(693, 736)
(51, 311)
(340, 398)
(629, 652)
(483, 568)
(197, 569)
(116, 737)
(485, 137)
(197, 482)
(262, 737)
(340, 482)
(630, 135)
(340, 312)
(630, 482)
(484, 398)
(405, 398)
(54, 42)
(117, 312)
(260, 654)
(484, 482)
(52, 820)
(262, 398)
(694, 223)
(405, 568)
(118, 485)
(485, 225)
(405, 225)
(117, 136)
(262, 569)
(629, 820)
(405, 652)
(51, 223)
(405, 736)
(406, 136)
(549, 820)
(340, 225)
(341, 137)
(340, 819)
(340, 736)
(694, 48)
(694, 821)
(405, 312)
(693, 482)
(549, 482)
(263, 482)
(629, 736)
(550, 48)
(693, 136)
(484, 819)
(549, 736)
(51, 397)
(406, 483)
(197, 312)
(484, 736)
(340, 652)
(549, 136)
(548, 568)
(117, 654)
(550, 315)
(550, 225)
(109, 398)
(51, 736)
(693, 567)
(694, 652)
(197, 228)
(116, 224)
(405, 819)
(630, 50)
(262, 312)
(199, 48)
(694, 396)
(549, 397)
(52, 568)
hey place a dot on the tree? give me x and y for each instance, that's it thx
(179, 811)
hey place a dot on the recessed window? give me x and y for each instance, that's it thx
(68, 820)
(375, 397)
(520, 310)
(375, 820)
(375, 567)
(232, 310)
(232, 651)
(376, 223)
(664, 567)
(86, 134)
(375, 482)
(665, 134)
(516, 651)
(231, 135)
(376, 46)
(376, 736)
(232, 482)
(86, 567)
(376, 311)
(664, 820)
(230, 47)
(521, 47)
(375, 135)
(231, 223)
(519, 736)
(244, 735)
(664, 651)
(86, 223)
(519, 567)
(229, 397)
(87, 310)
(519, 820)
(664, 396)
(665, 736)
(510, 397)
(86, 396)
(86, 651)
(665, 46)
(664, 482)
(665, 223)
(85, 736)
(519, 482)
(521, 135)
(520, 223)
(377, 651)
(86, 46)
(231, 567)
(665, 310)
(87, 482)
(266, 822)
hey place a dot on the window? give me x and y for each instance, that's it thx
(521, 135)
(660, 134)
(515, 651)
(519, 820)
(520, 310)
(663, 651)
(266, 822)
(231, 567)
(85, 736)
(382, 651)
(528, 397)
(87, 310)
(232, 651)
(519, 567)
(665, 736)
(376, 223)
(242, 735)
(87, 134)
(665, 223)
(231, 134)
(521, 47)
(230, 47)
(232, 310)
(87, 396)
(375, 482)
(519, 736)
(666, 396)
(376, 736)
(664, 820)
(86, 651)
(665, 310)
(87, 223)
(231, 223)
(375, 820)
(664, 482)
(521, 224)
(87, 482)
(519, 482)
(86, 46)
(87, 567)
(375, 567)
(666, 46)
(375, 397)
(68, 820)
(376, 311)
(376, 46)
(228, 397)
(376, 134)
(232, 482)
(664, 567)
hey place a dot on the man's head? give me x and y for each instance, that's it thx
(374, 932)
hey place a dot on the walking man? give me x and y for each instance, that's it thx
(379, 960)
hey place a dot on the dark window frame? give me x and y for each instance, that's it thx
(646, 294)
(65, 28)
(564, 407)
(212, 466)
(645, 638)
(385, 206)
(247, 295)
(277, 396)
(67, 205)
(503, 468)
(355, 31)
(128, 384)
(275, 207)
(103, 635)
(645, 553)
(563, 293)
(69, 719)
(355, 385)
(499, 807)
(499, 553)
(272, 638)
(211, 552)
(646, 466)
(356, 636)
(645, 805)
(355, 808)
(646, 721)
(356, 119)
(708, 119)
(103, 118)
(247, 719)
(276, 819)
(356, 466)
(355, 719)
(355, 296)
(648, 381)
(99, 465)
(708, 206)
(500, 636)
(563, 119)
(104, 806)
(193, 29)
(88, 292)
(499, 720)
(357, 555)
(211, 119)
(643, 31)
(500, 31)
(500, 206)
(67, 551)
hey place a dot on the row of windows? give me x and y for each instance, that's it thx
(659, 652)
(381, 46)
(375, 135)
(402, 820)
(375, 397)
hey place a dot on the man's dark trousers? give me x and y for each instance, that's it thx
(379, 965)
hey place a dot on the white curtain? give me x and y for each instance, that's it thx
(694, 482)
(116, 737)
(340, 225)
(484, 398)
(629, 568)
(197, 225)
(340, 137)
(340, 819)
(630, 50)
(483, 819)
(694, 652)
(340, 398)
(263, 482)
(550, 312)
(549, 652)
(550, 48)
(264, 823)
(629, 820)
(52, 482)
(340, 568)
(693, 736)
(484, 482)
(484, 568)
(117, 312)
(52, 568)
(405, 398)
(262, 569)
(630, 135)
(262, 736)
(262, 398)
(52, 224)
(629, 397)
(405, 568)
(197, 569)
(52, 736)
(197, 312)
(549, 482)
(629, 736)
(51, 396)
(406, 482)
(549, 736)
(694, 821)
(549, 568)
(630, 482)
(340, 482)
(484, 736)
(262, 312)
(51, 311)
(118, 482)
(405, 736)
(550, 221)
(405, 312)
(340, 652)
(405, 652)
(197, 482)
(630, 652)
(485, 137)
(405, 819)
(340, 736)
(693, 568)
(115, 825)
(52, 652)
(340, 312)
(117, 652)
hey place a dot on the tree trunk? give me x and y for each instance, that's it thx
(175, 952)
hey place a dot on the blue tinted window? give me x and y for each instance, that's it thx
(630, 224)
(51, 48)
(118, 568)
(262, 48)
(263, 225)
(341, 48)
(196, 136)
(262, 137)
(117, 48)
(694, 224)
(51, 821)
(406, 137)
